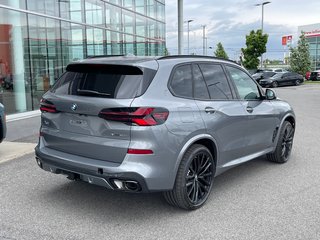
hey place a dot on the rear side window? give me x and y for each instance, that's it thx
(200, 87)
(216, 80)
(109, 81)
(181, 81)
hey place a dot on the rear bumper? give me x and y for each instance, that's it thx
(137, 169)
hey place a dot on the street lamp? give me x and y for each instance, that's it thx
(189, 21)
(262, 5)
(180, 26)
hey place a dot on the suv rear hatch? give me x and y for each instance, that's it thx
(72, 119)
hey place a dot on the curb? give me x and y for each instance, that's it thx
(21, 116)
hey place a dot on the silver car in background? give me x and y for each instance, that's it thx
(168, 124)
(3, 128)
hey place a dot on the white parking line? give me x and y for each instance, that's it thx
(12, 150)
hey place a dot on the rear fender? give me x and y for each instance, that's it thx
(190, 142)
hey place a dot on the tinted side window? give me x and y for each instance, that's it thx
(216, 81)
(246, 87)
(200, 87)
(181, 82)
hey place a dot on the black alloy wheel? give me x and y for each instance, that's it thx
(284, 145)
(287, 141)
(199, 177)
(297, 82)
(275, 84)
(194, 179)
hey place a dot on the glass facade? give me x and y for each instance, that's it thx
(314, 48)
(312, 33)
(39, 38)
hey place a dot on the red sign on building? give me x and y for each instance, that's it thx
(284, 40)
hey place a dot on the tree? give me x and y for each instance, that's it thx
(220, 52)
(300, 61)
(256, 45)
(166, 52)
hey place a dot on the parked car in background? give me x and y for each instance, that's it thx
(3, 128)
(168, 124)
(262, 75)
(278, 70)
(315, 75)
(282, 79)
(308, 75)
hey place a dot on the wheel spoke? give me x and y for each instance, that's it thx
(201, 193)
(207, 167)
(189, 183)
(283, 150)
(205, 175)
(289, 133)
(197, 192)
(191, 190)
(191, 168)
(204, 164)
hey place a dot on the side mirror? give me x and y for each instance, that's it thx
(270, 94)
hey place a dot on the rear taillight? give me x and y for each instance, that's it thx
(139, 151)
(140, 116)
(47, 106)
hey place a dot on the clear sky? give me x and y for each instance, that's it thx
(229, 21)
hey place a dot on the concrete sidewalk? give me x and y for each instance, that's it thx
(21, 139)
(12, 150)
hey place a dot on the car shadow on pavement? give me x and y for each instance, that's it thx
(85, 199)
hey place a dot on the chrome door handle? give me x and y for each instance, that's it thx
(209, 110)
(249, 109)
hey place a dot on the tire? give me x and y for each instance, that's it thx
(297, 82)
(284, 144)
(194, 179)
(275, 84)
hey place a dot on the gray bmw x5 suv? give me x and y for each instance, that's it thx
(168, 124)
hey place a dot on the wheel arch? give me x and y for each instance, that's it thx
(290, 117)
(203, 139)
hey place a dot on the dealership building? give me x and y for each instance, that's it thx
(38, 38)
(312, 33)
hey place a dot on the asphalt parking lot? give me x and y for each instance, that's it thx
(257, 200)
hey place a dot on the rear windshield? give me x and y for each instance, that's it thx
(108, 81)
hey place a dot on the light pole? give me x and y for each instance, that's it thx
(262, 5)
(204, 39)
(180, 26)
(189, 21)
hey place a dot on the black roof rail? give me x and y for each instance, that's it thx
(104, 56)
(195, 56)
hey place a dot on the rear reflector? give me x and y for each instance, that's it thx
(140, 116)
(139, 151)
(47, 106)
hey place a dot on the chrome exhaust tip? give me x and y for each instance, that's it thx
(127, 185)
(132, 186)
(39, 162)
